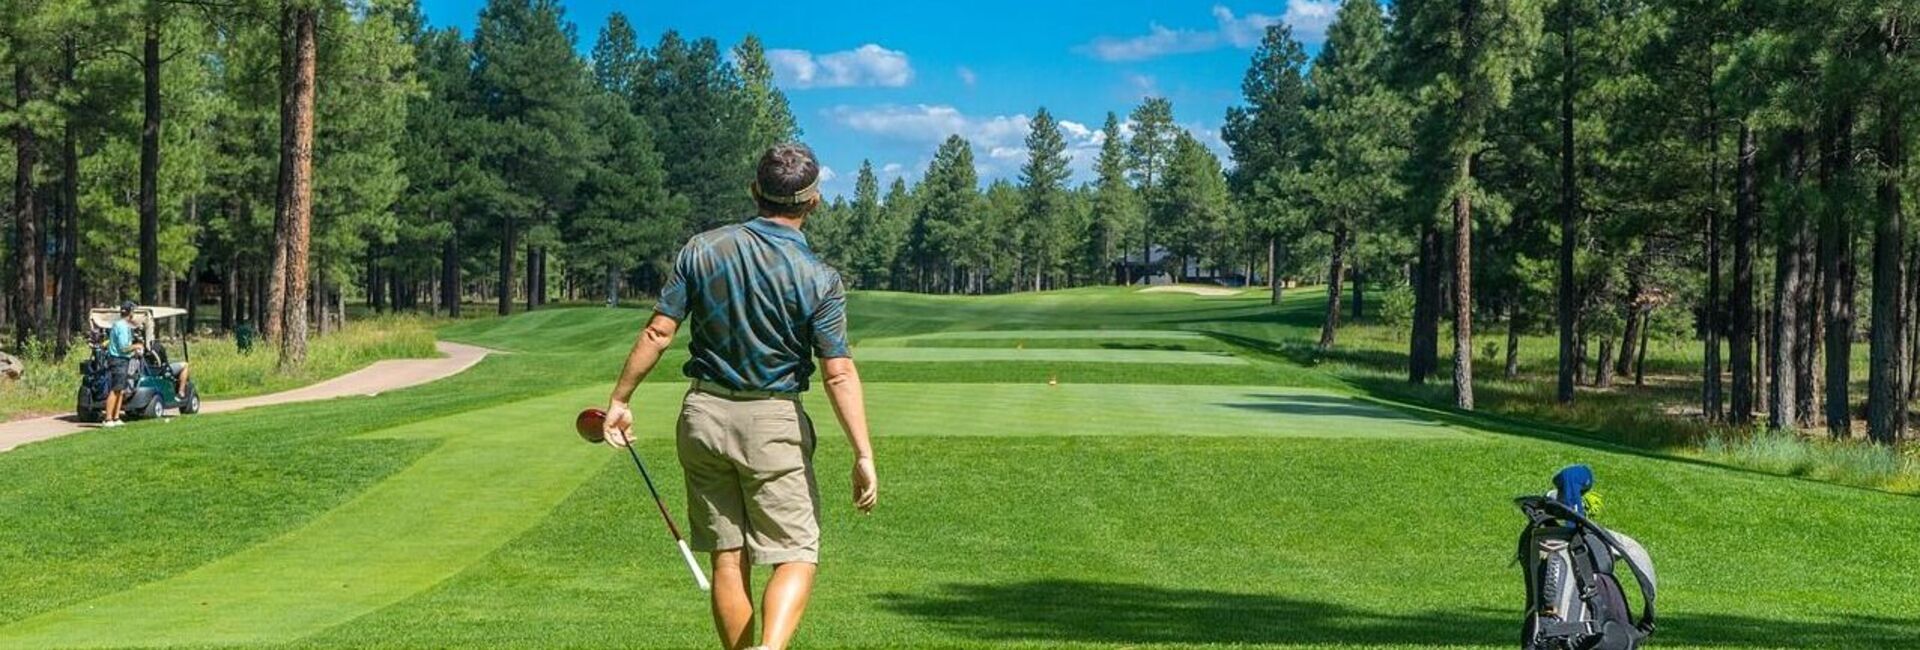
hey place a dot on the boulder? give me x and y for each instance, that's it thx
(11, 366)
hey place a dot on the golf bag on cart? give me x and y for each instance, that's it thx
(1574, 602)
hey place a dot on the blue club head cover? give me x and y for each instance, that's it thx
(1571, 486)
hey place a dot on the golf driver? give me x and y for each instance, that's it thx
(589, 425)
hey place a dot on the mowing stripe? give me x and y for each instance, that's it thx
(1183, 357)
(499, 471)
(1175, 335)
(1036, 409)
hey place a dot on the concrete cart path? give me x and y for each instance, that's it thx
(379, 377)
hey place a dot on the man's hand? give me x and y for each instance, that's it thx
(866, 485)
(617, 428)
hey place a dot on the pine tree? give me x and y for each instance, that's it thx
(1043, 188)
(1358, 126)
(529, 84)
(1116, 208)
(1148, 152)
(1269, 139)
(864, 218)
(770, 120)
(1465, 56)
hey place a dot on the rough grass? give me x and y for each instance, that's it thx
(224, 372)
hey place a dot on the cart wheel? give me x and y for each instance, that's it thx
(191, 404)
(154, 409)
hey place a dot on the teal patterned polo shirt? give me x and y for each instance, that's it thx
(759, 304)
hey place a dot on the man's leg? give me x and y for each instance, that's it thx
(733, 598)
(786, 600)
(115, 381)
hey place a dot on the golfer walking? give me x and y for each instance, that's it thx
(761, 308)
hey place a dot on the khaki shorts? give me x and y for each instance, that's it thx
(749, 470)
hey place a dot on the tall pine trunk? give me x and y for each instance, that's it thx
(1425, 340)
(1886, 410)
(1273, 270)
(1336, 266)
(1783, 356)
(1630, 312)
(1512, 370)
(1711, 397)
(1463, 287)
(27, 296)
(68, 312)
(297, 183)
(509, 245)
(1359, 292)
(1837, 282)
(1745, 224)
(150, 156)
(1569, 211)
(450, 283)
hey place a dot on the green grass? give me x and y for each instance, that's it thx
(1265, 504)
(224, 372)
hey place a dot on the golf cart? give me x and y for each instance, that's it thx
(155, 377)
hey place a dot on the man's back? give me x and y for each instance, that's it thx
(760, 304)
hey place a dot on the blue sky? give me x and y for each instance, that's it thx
(888, 81)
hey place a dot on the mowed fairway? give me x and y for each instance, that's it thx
(1122, 504)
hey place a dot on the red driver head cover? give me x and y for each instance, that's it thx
(589, 423)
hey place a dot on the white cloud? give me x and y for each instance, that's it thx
(967, 76)
(1158, 41)
(1309, 19)
(867, 65)
(1143, 85)
(892, 169)
(999, 141)
(826, 174)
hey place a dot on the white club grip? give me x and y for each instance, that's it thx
(698, 575)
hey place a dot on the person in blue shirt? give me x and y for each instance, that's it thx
(761, 308)
(122, 362)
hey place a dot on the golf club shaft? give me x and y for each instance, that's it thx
(686, 553)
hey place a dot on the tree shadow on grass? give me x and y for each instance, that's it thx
(1083, 611)
(1320, 405)
(1064, 611)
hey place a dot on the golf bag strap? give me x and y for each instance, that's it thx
(1536, 507)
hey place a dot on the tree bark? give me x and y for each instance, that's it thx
(1782, 355)
(1640, 360)
(1711, 397)
(509, 244)
(1837, 282)
(1273, 270)
(1425, 339)
(1359, 292)
(450, 282)
(1745, 223)
(66, 303)
(1569, 211)
(297, 186)
(27, 298)
(1630, 313)
(1886, 412)
(1336, 266)
(1513, 342)
(1603, 370)
(150, 156)
(1463, 288)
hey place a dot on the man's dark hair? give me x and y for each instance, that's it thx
(787, 181)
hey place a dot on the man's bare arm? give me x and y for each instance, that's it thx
(849, 404)
(647, 348)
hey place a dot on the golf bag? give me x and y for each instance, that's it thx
(1574, 602)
